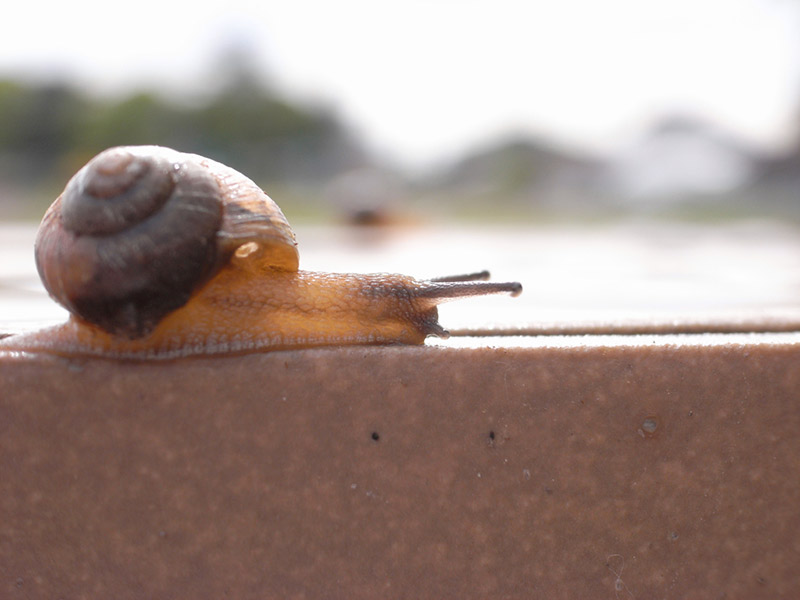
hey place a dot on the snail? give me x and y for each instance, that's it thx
(162, 254)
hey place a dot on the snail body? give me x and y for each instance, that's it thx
(161, 254)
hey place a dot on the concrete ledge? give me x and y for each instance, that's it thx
(577, 471)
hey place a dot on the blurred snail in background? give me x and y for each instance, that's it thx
(161, 254)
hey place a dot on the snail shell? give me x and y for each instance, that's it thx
(139, 229)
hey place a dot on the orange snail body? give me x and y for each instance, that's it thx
(160, 254)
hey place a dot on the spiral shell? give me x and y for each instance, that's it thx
(138, 229)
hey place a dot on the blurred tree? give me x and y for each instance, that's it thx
(46, 131)
(248, 125)
(39, 124)
(140, 119)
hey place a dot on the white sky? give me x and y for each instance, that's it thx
(424, 80)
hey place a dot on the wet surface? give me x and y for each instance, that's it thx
(576, 279)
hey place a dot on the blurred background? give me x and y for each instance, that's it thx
(428, 109)
(601, 116)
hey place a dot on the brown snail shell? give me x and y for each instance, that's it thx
(161, 254)
(139, 229)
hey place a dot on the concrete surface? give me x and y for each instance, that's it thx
(626, 470)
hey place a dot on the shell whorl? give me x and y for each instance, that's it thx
(118, 189)
(139, 229)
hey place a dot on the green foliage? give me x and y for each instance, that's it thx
(46, 131)
(40, 122)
